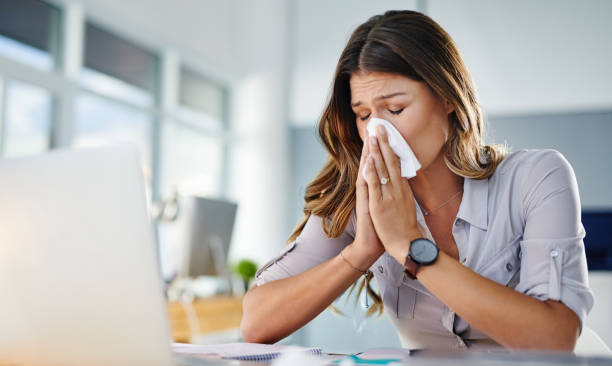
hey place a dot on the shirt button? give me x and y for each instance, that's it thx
(509, 266)
(380, 269)
(554, 253)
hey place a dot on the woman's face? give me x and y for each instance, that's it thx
(416, 112)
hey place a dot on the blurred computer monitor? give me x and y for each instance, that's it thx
(207, 226)
(598, 240)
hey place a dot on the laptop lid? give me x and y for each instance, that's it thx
(79, 276)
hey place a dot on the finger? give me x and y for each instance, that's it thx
(379, 161)
(365, 151)
(362, 165)
(374, 190)
(392, 161)
(361, 193)
(361, 184)
(362, 161)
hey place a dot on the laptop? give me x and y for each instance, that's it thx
(79, 275)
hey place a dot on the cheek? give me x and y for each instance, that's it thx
(361, 129)
(424, 134)
(412, 125)
(422, 121)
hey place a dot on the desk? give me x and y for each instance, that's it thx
(214, 314)
(451, 359)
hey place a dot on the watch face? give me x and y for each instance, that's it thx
(423, 251)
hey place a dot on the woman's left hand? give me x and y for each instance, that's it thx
(391, 204)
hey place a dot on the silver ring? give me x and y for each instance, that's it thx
(384, 181)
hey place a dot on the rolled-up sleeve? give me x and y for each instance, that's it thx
(311, 248)
(553, 260)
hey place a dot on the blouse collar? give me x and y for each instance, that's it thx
(474, 204)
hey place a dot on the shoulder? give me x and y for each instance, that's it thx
(528, 160)
(526, 167)
(535, 173)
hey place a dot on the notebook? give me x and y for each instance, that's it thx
(239, 351)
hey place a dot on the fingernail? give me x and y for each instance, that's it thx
(380, 130)
(373, 140)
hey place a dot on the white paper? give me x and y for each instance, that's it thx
(237, 350)
(408, 161)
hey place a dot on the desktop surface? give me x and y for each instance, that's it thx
(427, 358)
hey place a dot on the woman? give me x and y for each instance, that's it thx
(481, 249)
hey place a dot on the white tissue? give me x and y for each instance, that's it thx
(408, 162)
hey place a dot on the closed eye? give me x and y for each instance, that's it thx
(397, 111)
(365, 117)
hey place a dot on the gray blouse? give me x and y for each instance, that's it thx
(520, 227)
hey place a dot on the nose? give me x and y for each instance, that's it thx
(375, 114)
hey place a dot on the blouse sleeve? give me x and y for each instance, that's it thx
(553, 260)
(311, 248)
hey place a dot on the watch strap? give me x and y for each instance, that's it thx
(410, 267)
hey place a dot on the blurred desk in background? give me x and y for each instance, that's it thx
(215, 315)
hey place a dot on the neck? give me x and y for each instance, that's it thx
(435, 184)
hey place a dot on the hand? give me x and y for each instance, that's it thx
(391, 205)
(367, 247)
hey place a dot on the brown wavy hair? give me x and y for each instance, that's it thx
(411, 44)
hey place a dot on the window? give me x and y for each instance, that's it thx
(116, 67)
(119, 86)
(115, 98)
(200, 95)
(101, 121)
(27, 120)
(193, 144)
(192, 161)
(29, 32)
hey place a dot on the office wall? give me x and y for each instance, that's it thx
(584, 139)
(529, 57)
(525, 56)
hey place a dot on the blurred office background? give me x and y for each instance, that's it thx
(223, 97)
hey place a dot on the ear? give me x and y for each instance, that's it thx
(448, 106)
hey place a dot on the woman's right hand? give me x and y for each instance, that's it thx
(366, 248)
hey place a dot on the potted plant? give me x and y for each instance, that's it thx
(246, 269)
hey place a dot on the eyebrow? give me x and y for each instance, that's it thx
(380, 98)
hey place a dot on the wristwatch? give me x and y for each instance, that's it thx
(422, 252)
